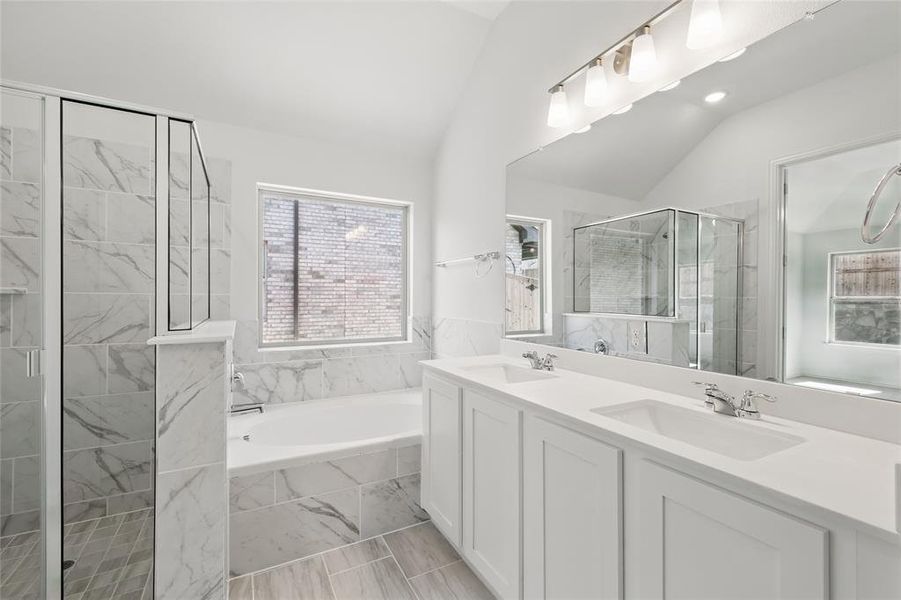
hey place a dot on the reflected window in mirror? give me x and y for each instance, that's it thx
(865, 297)
(525, 261)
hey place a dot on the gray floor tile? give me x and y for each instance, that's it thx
(355, 555)
(240, 588)
(453, 582)
(379, 580)
(421, 548)
(301, 580)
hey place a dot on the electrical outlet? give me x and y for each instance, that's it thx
(636, 336)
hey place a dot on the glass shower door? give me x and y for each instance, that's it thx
(719, 294)
(22, 454)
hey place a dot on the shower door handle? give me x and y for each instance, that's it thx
(33, 363)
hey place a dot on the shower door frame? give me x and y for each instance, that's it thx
(50, 360)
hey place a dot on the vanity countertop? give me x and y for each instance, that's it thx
(849, 476)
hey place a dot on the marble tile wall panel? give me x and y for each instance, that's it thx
(20, 522)
(390, 505)
(20, 206)
(91, 422)
(187, 520)
(14, 385)
(20, 263)
(130, 218)
(25, 320)
(26, 484)
(85, 371)
(292, 381)
(5, 317)
(84, 214)
(6, 153)
(106, 318)
(20, 429)
(108, 267)
(6, 486)
(246, 492)
(111, 470)
(337, 474)
(263, 538)
(26, 154)
(453, 337)
(191, 397)
(104, 165)
(362, 375)
(409, 459)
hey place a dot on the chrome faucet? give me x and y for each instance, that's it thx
(246, 407)
(724, 403)
(541, 364)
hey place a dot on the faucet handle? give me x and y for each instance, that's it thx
(748, 408)
(751, 394)
(530, 354)
(709, 388)
(708, 385)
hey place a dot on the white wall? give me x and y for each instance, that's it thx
(262, 157)
(501, 116)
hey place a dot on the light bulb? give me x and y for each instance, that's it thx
(595, 84)
(643, 63)
(706, 24)
(558, 111)
(714, 97)
(623, 110)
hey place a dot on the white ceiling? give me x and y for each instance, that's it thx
(628, 155)
(381, 75)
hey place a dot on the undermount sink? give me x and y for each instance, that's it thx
(724, 435)
(509, 373)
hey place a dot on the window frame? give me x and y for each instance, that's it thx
(544, 267)
(831, 298)
(406, 263)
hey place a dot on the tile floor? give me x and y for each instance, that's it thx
(113, 558)
(415, 563)
(20, 566)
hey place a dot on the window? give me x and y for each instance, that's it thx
(865, 298)
(524, 246)
(334, 268)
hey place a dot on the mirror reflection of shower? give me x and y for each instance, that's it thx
(664, 285)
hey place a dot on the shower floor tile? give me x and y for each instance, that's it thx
(113, 558)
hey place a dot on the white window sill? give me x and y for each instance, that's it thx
(331, 346)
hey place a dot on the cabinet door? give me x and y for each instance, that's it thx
(491, 491)
(698, 541)
(442, 456)
(572, 514)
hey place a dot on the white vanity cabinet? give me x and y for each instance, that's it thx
(442, 439)
(572, 514)
(699, 541)
(492, 491)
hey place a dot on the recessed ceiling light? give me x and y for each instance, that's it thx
(584, 129)
(714, 97)
(734, 55)
(671, 86)
(623, 110)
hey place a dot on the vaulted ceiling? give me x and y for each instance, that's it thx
(382, 75)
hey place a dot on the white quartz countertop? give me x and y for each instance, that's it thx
(206, 333)
(849, 476)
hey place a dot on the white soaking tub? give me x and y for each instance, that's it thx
(307, 477)
(296, 433)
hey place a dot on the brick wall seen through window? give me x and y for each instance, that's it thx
(335, 270)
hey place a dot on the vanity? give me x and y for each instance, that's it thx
(561, 484)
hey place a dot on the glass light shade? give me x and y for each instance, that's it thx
(558, 110)
(643, 64)
(595, 85)
(706, 24)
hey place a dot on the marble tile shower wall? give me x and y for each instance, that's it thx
(298, 375)
(108, 295)
(109, 286)
(20, 329)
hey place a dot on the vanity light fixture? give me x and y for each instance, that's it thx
(558, 111)
(643, 62)
(623, 110)
(733, 56)
(585, 129)
(714, 97)
(670, 86)
(595, 83)
(705, 26)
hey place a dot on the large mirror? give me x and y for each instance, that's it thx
(716, 225)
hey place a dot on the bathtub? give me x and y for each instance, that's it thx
(296, 433)
(308, 477)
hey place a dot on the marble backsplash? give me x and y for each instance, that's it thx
(273, 376)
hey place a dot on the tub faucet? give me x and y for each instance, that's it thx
(246, 407)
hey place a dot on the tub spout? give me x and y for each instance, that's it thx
(240, 409)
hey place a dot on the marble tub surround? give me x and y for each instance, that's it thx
(660, 340)
(465, 337)
(285, 514)
(413, 563)
(273, 375)
(20, 329)
(847, 479)
(191, 484)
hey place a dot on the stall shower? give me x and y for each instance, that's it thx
(666, 283)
